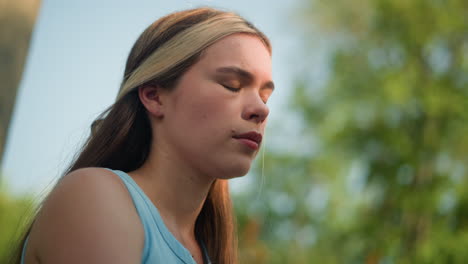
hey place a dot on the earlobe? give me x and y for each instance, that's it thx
(151, 99)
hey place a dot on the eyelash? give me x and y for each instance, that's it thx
(236, 90)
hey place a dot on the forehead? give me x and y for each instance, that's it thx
(245, 51)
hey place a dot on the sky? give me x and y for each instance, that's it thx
(74, 69)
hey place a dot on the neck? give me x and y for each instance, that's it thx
(176, 189)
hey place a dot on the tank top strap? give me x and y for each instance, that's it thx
(153, 224)
(23, 253)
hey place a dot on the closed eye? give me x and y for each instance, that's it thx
(232, 89)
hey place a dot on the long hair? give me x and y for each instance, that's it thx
(121, 135)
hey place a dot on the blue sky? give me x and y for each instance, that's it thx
(75, 66)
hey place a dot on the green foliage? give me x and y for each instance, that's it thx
(384, 180)
(14, 211)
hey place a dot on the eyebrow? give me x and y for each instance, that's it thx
(243, 74)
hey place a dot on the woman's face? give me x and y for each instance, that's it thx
(218, 99)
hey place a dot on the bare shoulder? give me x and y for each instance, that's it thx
(89, 217)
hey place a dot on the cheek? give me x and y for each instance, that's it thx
(206, 103)
(205, 118)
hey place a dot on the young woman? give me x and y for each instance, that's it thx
(150, 184)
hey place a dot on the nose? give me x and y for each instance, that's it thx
(255, 110)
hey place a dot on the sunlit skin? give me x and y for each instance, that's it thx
(89, 212)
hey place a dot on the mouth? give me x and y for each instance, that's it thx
(251, 139)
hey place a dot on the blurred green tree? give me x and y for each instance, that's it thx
(15, 212)
(383, 178)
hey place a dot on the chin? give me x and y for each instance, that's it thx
(236, 171)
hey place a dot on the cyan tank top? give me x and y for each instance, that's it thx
(160, 245)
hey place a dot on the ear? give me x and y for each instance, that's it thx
(150, 97)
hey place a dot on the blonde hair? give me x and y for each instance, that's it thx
(186, 44)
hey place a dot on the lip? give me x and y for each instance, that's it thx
(251, 139)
